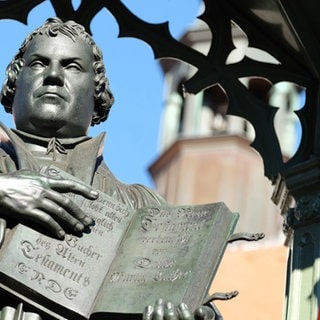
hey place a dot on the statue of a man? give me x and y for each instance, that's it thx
(56, 88)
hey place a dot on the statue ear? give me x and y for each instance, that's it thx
(95, 118)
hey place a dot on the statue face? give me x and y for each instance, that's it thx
(55, 88)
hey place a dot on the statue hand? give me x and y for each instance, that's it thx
(33, 197)
(164, 310)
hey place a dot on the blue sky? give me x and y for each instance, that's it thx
(135, 78)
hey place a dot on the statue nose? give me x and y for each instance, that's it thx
(54, 75)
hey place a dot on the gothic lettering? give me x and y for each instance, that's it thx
(171, 276)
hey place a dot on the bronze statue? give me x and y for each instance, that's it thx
(56, 88)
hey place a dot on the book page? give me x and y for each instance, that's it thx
(170, 253)
(64, 276)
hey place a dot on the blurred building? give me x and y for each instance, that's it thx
(206, 157)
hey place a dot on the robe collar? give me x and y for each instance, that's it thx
(85, 152)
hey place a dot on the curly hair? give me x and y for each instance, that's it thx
(103, 97)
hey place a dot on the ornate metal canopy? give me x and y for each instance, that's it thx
(275, 26)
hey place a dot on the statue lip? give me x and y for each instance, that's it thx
(51, 94)
(54, 91)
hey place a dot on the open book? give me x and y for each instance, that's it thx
(127, 261)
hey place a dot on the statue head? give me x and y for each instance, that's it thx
(53, 27)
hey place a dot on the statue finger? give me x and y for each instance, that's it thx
(61, 215)
(158, 312)
(184, 312)
(148, 312)
(170, 312)
(72, 186)
(45, 220)
(3, 226)
(204, 313)
(70, 207)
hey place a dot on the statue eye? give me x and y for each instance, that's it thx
(37, 64)
(73, 67)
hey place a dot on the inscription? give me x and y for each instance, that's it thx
(97, 231)
(140, 278)
(49, 284)
(187, 212)
(160, 220)
(87, 251)
(95, 207)
(130, 278)
(174, 240)
(187, 226)
(43, 243)
(66, 253)
(147, 263)
(172, 276)
(107, 204)
(108, 215)
(109, 209)
(159, 251)
(45, 260)
(102, 222)
(142, 263)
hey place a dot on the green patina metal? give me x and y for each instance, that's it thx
(289, 31)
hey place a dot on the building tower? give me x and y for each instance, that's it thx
(206, 157)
